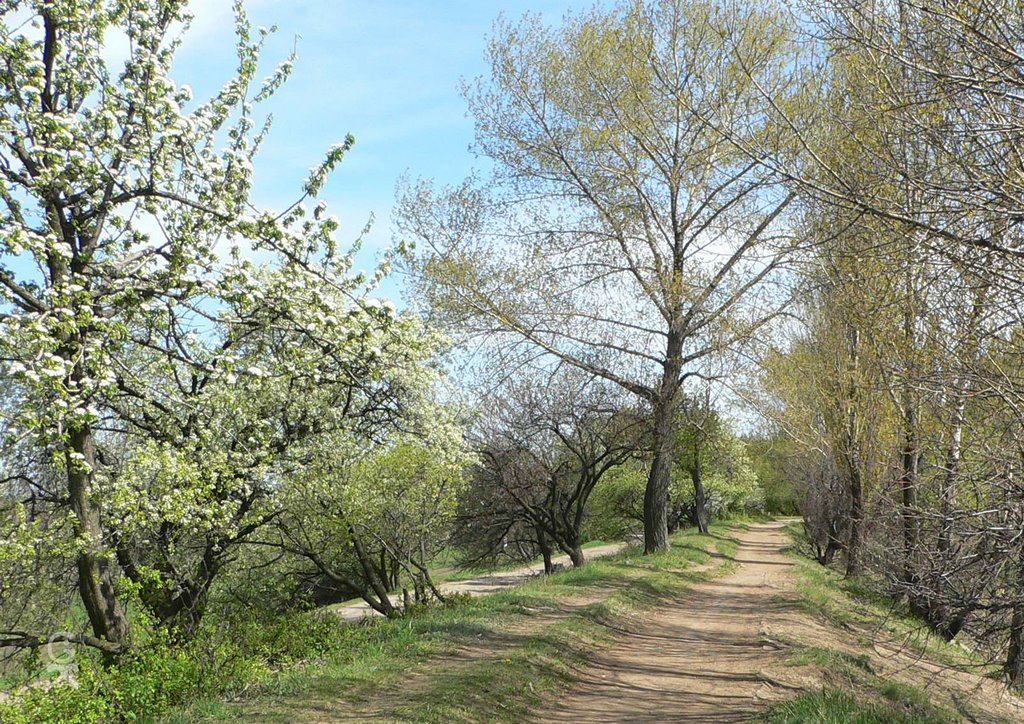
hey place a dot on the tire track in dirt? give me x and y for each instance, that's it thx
(701, 659)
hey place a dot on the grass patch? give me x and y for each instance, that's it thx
(835, 706)
(860, 604)
(856, 692)
(453, 572)
(491, 658)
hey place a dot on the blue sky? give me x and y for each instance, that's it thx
(387, 72)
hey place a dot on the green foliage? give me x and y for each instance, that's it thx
(730, 481)
(615, 509)
(767, 457)
(221, 661)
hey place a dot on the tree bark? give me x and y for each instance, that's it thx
(545, 550)
(947, 499)
(384, 604)
(853, 550)
(910, 459)
(95, 579)
(1014, 666)
(576, 555)
(853, 460)
(700, 498)
(656, 493)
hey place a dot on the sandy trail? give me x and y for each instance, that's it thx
(699, 660)
(485, 584)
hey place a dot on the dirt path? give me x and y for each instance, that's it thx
(700, 660)
(483, 585)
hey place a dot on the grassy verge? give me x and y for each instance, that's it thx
(446, 574)
(860, 604)
(832, 705)
(855, 691)
(486, 659)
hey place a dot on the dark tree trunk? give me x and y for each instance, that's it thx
(95, 579)
(949, 481)
(700, 499)
(833, 545)
(908, 490)
(545, 550)
(656, 493)
(1015, 650)
(910, 459)
(656, 499)
(576, 555)
(852, 457)
(1014, 666)
(853, 546)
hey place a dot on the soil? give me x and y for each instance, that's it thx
(700, 659)
(720, 654)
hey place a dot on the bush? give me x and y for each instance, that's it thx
(223, 660)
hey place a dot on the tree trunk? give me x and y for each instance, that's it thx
(853, 550)
(656, 493)
(660, 476)
(911, 525)
(949, 479)
(383, 602)
(700, 499)
(576, 554)
(95, 580)
(910, 457)
(545, 550)
(852, 455)
(1014, 667)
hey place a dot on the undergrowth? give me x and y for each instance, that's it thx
(517, 647)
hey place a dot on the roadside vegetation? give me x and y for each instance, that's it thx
(880, 663)
(492, 658)
(720, 259)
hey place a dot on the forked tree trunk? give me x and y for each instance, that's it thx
(576, 555)
(95, 578)
(377, 596)
(545, 549)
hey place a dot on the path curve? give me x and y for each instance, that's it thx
(700, 660)
(485, 584)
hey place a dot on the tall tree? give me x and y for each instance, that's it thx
(622, 232)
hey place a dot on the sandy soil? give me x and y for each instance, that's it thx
(483, 585)
(700, 660)
(719, 654)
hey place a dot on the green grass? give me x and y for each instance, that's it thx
(856, 692)
(859, 603)
(523, 645)
(452, 572)
(835, 706)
